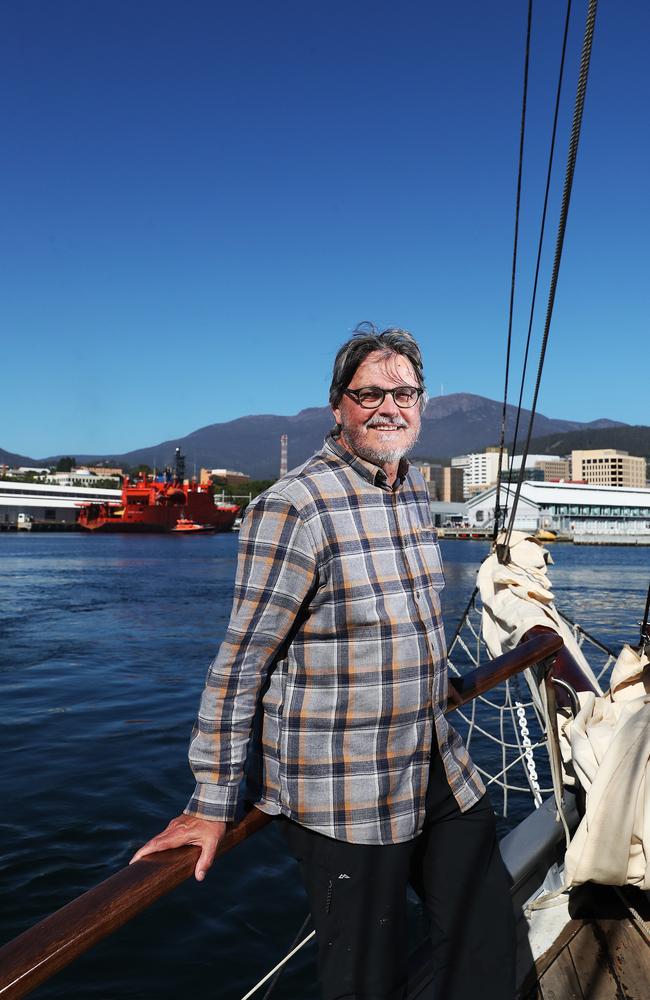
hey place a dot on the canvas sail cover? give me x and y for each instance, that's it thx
(608, 742)
(610, 747)
(517, 595)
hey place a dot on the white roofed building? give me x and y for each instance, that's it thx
(47, 505)
(77, 477)
(586, 513)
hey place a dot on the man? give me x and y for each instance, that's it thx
(336, 648)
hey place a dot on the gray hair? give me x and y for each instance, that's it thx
(367, 339)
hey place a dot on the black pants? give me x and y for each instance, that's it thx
(357, 896)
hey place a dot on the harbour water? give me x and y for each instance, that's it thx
(104, 645)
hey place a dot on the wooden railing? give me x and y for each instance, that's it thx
(538, 649)
(50, 945)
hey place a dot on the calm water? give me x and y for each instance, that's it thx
(104, 645)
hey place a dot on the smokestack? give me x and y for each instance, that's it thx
(283, 455)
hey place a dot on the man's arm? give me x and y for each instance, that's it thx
(276, 570)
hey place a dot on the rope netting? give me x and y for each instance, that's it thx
(505, 730)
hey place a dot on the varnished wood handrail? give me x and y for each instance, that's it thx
(566, 668)
(50, 945)
(54, 942)
(493, 672)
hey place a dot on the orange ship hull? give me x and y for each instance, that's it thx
(156, 505)
(221, 520)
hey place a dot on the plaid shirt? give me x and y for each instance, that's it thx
(336, 631)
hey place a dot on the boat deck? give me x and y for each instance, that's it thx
(602, 954)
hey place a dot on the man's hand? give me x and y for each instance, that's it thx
(204, 833)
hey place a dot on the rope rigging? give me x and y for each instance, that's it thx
(502, 550)
(540, 244)
(559, 244)
(522, 132)
(494, 721)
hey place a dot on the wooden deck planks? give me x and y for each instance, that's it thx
(592, 960)
(630, 957)
(560, 982)
(601, 955)
(606, 960)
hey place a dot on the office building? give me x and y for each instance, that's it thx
(608, 467)
(444, 483)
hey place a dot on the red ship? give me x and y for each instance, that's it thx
(157, 504)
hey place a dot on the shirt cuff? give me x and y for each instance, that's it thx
(217, 802)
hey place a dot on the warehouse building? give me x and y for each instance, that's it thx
(43, 505)
(585, 513)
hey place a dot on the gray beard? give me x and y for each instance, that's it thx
(378, 456)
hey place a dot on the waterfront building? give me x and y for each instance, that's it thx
(448, 514)
(547, 468)
(104, 472)
(45, 504)
(553, 467)
(584, 512)
(608, 467)
(227, 476)
(24, 469)
(451, 488)
(424, 468)
(480, 469)
(78, 477)
(462, 462)
(444, 482)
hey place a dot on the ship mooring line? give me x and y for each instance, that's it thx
(274, 980)
(284, 961)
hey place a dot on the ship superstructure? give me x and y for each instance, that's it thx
(157, 503)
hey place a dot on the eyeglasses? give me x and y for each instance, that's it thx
(370, 397)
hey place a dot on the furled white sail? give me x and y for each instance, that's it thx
(607, 745)
(610, 746)
(517, 595)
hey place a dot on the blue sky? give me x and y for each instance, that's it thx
(201, 199)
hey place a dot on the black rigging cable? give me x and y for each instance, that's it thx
(539, 248)
(645, 630)
(564, 211)
(522, 132)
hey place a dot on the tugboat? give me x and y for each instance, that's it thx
(157, 504)
(185, 526)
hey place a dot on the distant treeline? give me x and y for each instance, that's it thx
(253, 486)
(635, 440)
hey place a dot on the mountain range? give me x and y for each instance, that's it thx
(452, 425)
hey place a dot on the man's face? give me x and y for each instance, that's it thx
(385, 434)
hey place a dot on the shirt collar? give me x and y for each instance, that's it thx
(367, 470)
